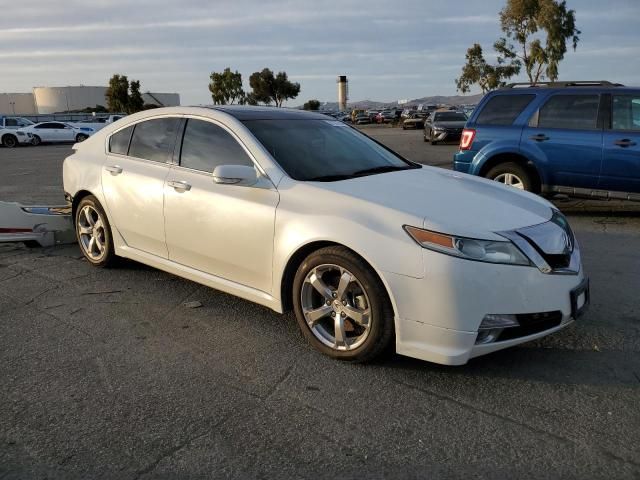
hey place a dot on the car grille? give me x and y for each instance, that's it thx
(553, 241)
(530, 324)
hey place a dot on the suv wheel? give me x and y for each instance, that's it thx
(512, 174)
(341, 306)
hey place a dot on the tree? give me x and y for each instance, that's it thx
(311, 105)
(267, 88)
(283, 89)
(261, 84)
(118, 93)
(226, 87)
(488, 77)
(135, 102)
(123, 96)
(541, 30)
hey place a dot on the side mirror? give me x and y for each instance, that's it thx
(235, 175)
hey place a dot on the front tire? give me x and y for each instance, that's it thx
(36, 141)
(93, 232)
(341, 306)
(512, 174)
(81, 137)
(9, 141)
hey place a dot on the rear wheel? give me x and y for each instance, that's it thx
(512, 174)
(94, 232)
(341, 306)
(9, 141)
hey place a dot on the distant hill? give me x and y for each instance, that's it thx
(434, 100)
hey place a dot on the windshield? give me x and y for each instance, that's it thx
(450, 117)
(323, 150)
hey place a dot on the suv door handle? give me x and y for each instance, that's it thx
(541, 137)
(114, 169)
(181, 186)
(625, 142)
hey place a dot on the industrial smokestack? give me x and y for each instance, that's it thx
(343, 92)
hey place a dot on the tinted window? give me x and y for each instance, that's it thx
(154, 139)
(503, 109)
(119, 141)
(323, 150)
(43, 125)
(11, 122)
(577, 112)
(57, 125)
(206, 145)
(626, 112)
(449, 117)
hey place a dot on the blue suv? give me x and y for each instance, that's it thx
(575, 138)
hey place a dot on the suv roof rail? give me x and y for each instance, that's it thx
(578, 83)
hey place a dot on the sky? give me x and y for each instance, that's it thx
(389, 49)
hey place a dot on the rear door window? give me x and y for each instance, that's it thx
(626, 112)
(503, 109)
(154, 139)
(574, 112)
(119, 141)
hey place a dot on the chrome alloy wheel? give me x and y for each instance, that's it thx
(510, 179)
(91, 233)
(336, 307)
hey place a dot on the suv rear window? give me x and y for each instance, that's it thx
(575, 112)
(503, 109)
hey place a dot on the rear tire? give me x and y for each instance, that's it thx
(512, 174)
(9, 141)
(93, 233)
(341, 306)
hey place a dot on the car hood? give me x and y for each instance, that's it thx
(448, 202)
(451, 124)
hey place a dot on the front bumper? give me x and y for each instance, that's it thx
(438, 316)
(25, 139)
(447, 135)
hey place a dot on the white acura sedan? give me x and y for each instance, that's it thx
(290, 209)
(54, 132)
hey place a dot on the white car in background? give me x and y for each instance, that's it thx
(57, 132)
(11, 138)
(290, 209)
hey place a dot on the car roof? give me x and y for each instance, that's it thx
(250, 112)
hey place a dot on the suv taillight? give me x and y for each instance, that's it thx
(468, 134)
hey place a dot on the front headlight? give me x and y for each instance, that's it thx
(438, 129)
(490, 251)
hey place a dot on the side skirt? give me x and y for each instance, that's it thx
(227, 286)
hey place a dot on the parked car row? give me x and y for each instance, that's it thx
(18, 131)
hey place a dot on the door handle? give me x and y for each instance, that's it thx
(114, 169)
(181, 186)
(541, 137)
(625, 142)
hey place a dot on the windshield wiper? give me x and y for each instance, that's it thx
(381, 169)
(362, 173)
(329, 178)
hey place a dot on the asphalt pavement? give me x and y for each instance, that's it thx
(114, 374)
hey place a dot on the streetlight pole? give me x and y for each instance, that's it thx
(13, 107)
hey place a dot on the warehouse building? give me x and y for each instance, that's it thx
(48, 100)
